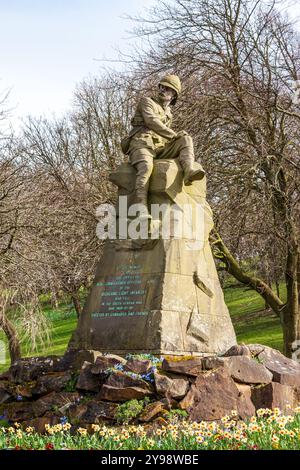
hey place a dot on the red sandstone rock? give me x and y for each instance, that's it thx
(273, 395)
(191, 367)
(212, 396)
(241, 368)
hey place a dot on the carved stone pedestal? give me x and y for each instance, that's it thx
(159, 295)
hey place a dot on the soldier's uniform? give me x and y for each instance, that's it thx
(151, 137)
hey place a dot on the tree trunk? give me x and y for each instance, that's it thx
(13, 341)
(291, 311)
(76, 303)
(277, 288)
(290, 327)
(221, 252)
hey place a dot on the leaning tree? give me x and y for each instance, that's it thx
(239, 60)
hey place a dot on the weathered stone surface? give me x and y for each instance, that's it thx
(76, 411)
(273, 395)
(138, 366)
(17, 411)
(25, 370)
(53, 400)
(75, 358)
(190, 399)
(38, 424)
(119, 359)
(244, 389)
(53, 382)
(238, 350)
(7, 392)
(285, 371)
(171, 284)
(212, 396)
(241, 368)
(174, 387)
(4, 396)
(245, 405)
(103, 363)
(297, 396)
(120, 379)
(122, 394)
(87, 380)
(122, 387)
(191, 367)
(151, 411)
(24, 391)
(97, 411)
(170, 403)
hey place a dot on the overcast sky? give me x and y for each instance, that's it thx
(47, 46)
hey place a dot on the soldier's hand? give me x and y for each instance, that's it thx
(182, 133)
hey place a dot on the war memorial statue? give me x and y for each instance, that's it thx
(158, 293)
(151, 137)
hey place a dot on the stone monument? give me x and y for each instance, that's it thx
(159, 294)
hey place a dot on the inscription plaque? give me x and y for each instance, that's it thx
(122, 294)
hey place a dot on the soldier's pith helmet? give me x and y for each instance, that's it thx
(171, 81)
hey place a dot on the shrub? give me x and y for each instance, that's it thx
(130, 410)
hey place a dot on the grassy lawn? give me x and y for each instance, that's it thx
(63, 322)
(252, 323)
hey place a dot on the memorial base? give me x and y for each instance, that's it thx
(158, 296)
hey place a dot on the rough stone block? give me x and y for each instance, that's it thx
(241, 368)
(212, 396)
(273, 395)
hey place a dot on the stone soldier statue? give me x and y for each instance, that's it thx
(151, 137)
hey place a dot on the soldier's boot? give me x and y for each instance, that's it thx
(186, 159)
(141, 198)
(190, 173)
(143, 173)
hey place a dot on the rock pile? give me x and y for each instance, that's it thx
(86, 387)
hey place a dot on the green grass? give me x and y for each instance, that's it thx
(251, 322)
(63, 322)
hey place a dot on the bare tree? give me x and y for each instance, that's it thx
(71, 159)
(239, 60)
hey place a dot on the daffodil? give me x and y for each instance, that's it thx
(242, 426)
(95, 427)
(225, 419)
(82, 431)
(276, 411)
